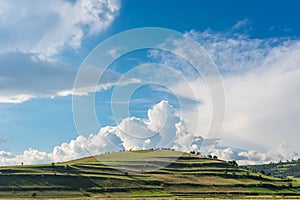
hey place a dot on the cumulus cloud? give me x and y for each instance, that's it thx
(46, 27)
(28, 156)
(163, 128)
(23, 78)
(249, 157)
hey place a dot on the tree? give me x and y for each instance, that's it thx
(192, 152)
(33, 194)
(233, 162)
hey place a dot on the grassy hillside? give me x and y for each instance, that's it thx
(139, 174)
(282, 169)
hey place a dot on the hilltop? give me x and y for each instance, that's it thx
(157, 173)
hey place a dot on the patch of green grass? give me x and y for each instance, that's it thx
(149, 193)
(42, 194)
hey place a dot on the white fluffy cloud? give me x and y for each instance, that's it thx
(28, 156)
(45, 27)
(163, 128)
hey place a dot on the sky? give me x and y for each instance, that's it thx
(254, 46)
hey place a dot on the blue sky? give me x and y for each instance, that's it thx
(253, 43)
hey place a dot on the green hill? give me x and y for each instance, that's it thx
(161, 173)
(288, 169)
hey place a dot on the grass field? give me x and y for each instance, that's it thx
(157, 174)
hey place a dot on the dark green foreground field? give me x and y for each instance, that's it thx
(129, 174)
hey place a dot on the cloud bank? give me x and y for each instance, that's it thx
(261, 79)
(23, 78)
(249, 157)
(163, 128)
